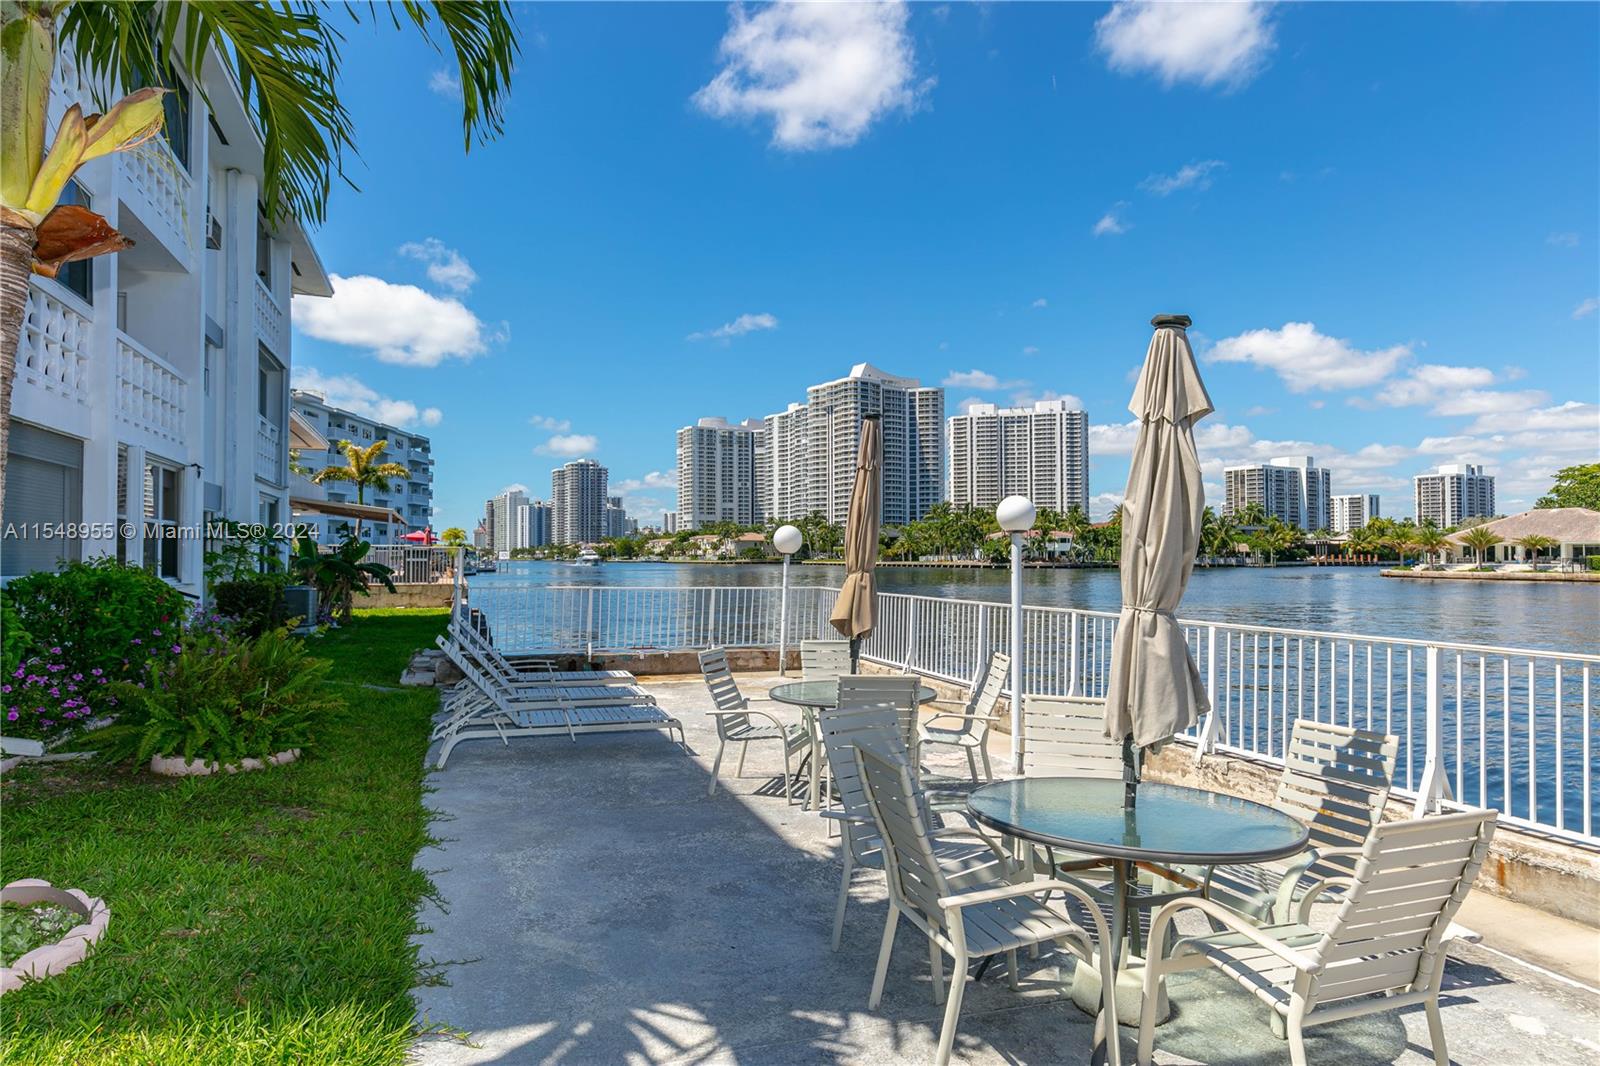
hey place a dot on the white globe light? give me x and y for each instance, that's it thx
(1015, 514)
(787, 539)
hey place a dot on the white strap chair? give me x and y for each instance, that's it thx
(970, 924)
(1385, 950)
(824, 660)
(738, 724)
(968, 729)
(895, 691)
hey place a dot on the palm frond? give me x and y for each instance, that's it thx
(483, 36)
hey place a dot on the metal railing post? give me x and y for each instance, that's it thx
(456, 585)
(588, 624)
(911, 633)
(1072, 653)
(1431, 787)
(783, 620)
(1207, 744)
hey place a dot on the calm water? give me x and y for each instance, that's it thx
(1560, 617)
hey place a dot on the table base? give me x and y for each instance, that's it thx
(1085, 991)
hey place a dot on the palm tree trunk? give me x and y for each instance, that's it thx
(16, 266)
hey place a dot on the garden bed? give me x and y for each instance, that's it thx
(263, 917)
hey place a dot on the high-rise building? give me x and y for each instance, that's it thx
(533, 525)
(717, 472)
(578, 497)
(152, 387)
(812, 447)
(669, 521)
(1353, 512)
(500, 515)
(1041, 452)
(617, 522)
(1292, 489)
(1453, 494)
(410, 496)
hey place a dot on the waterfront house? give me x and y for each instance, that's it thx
(154, 383)
(1576, 531)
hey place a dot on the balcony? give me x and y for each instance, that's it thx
(271, 326)
(270, 456)
(156, 190)
(151, 395)
(53, 357)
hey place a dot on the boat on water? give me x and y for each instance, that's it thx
(586, 557)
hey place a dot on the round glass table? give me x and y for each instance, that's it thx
(810, 696)
(1168, 824)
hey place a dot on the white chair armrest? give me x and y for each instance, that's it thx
(1234, 922)
(947, 832)
(990, 895)
(1284, 904)
(1317, 888)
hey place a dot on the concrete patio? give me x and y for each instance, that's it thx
(599, 907)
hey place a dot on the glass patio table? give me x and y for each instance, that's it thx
(811, 696)
(1169, 824)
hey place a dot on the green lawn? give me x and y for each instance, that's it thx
(255, 918)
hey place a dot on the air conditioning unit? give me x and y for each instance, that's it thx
(300, 601)
(213, 231)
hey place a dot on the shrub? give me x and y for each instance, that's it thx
(101, 614)
(223, 698)
(16, 643)
(255, 604)
(45, 700)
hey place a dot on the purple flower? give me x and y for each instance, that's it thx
(97, 671)
(11, 716)
(55, 651)
(136, 640)
(176, 648)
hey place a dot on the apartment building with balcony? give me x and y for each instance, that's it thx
(717, 472)
(152, 385)
(1291, 488)
(1351, 512)
(1453, 493)
(387, 513)
(1041, 452)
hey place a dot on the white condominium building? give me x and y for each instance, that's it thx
(617, 522)
(411, 497)
(578, 496)
(812, 447)
(1041, 452)
(1292, 489)
(1353, 512)
(717, 472)
(1453, 494)
(532, 525)
(500, 515)
(152, 385)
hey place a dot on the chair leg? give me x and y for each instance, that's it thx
(972, 765)
(844, 896)
(885, 949)
(788, 785)
(952, 1007)
(1011, 968)
(988, 771)
(716, 764)
(1297, 1044)
(1154, 979)
(936, 966)
(744, 749)
(1441, 1056)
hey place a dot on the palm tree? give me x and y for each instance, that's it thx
(453, 537)
(1534, 543)
(361, 469)
(286, 58)
(1480, 540)
(1430, 541)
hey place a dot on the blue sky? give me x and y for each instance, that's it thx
(1384, 220)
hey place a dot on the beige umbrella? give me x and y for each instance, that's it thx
(856, 610)
(1155, 690)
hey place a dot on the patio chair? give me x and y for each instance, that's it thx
(824, 660)
(973, 922)
(1384, 951)
(965, 854)
(1335, 779)
(968, 729)
(736, 722)
(1065, 736)
(475, 643)
(898, 691)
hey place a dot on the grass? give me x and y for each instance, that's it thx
(255, 918)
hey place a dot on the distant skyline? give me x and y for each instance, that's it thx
(1383, 219)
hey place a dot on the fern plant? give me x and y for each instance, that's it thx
(223, 699)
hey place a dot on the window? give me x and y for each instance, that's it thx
(269, 388)
(162, 497)
(44, 491)
(78, 276)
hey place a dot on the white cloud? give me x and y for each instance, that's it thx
(1425, 384)
(446, 266)
(1586, 308)
(352, 394)
(1570, 416)
(822, 73)
(1258, 410)
(1030, 349)
(548, 424)
(399, 323)
(1210, 44)
(1041, 302)
(655, 479)
(515, 486)
(1567, 239)
(1111, 223)
(1113, 439)
(966, 406)
(1306, 359)
(970, 379)
(1027, 398)
(445, 84)
(1101, 505)
(570, 445)
(746, 323)
(1190, 176)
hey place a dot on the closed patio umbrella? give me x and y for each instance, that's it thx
(855, 612)
(1154, 690)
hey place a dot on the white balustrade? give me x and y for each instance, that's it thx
(160, 191)
(54, 352)
(270, 456)
(1508, 728)
(152, 396)
(270, 320)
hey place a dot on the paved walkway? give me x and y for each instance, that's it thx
(601, 908)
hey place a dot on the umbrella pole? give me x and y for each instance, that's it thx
(1130, 775)
(855, 655)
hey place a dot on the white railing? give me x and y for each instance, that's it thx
(269, 451)
(269, 320)
(415, 564)
(151, 395)
(1508, 728)
(54, 354)
(162, 187)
